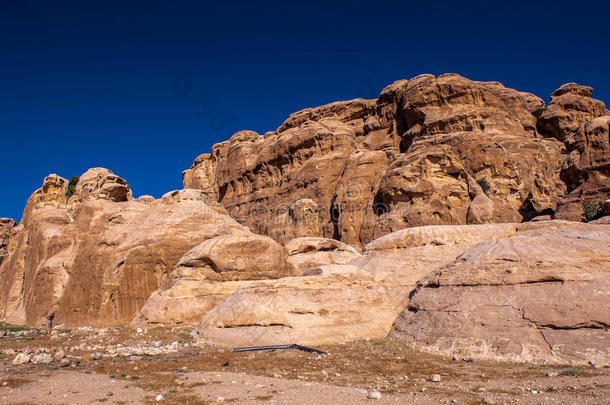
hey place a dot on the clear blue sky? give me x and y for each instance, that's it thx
(85, 86)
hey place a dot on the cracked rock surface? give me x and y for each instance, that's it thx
(538, 295)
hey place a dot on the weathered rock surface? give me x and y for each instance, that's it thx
(201, 176)
(340, 302)
(309, 310)
(428, 248)
(586, 171)
(6, 227)
(21, 358)
(457, 133)
(413, 157)
(308, 253)
(208, 273)
(571, 106)
(431, 182)
(541, 294)
(42, 358)
(218, 266)
(96, 257)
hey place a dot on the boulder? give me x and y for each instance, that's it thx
(42, 358)
(208, 273)
(305, 310)
(481, 210)
(21, 358)
(238, 257)
(339, 302)
(308, 253)
(540, 294)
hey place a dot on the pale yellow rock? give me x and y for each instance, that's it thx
(308, 253)
(208, 273)
(96, 257)
(306, 310)
(239, 257)
(21, 358)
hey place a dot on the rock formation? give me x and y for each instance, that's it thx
(340, 302)
(307, 253)
(218, 266)
(404, 215)
(586, 171)
(209, 272)
(582, 124)
(571, 106)
(540, 294)
(95, 257)
(6, 228)
(431, 150)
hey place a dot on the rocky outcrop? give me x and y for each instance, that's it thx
(539, 295)
(359, 210)
(335, 303)
(309, 310)
(95, 257)
(431, 247)
(218, 266)
(208, 273)
(581, 122)
(416, 156)
(586, 171)
(201, 176)
(571, 106)
(283, 184)
(6, 228)
(463, 136)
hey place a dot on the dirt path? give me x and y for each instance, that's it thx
(70, 387)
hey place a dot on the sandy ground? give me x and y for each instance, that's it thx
(200, 374)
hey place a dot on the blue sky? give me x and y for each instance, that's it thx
(85, 86)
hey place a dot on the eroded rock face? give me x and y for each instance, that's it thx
(260, 178)
(96, 257)
(333, 303)
(431, 182)
(586, 171)
(308, 253)
(238, 257)
(218, 266)
(309, 310)
(460, 132)
(538, 295)
(571, 106)
(209, 272)
(413, 157)
(6, 227)
(201, 176)
(101, 184)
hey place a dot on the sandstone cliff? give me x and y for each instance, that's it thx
(95, 257)
(430, 150)
(6, 228)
